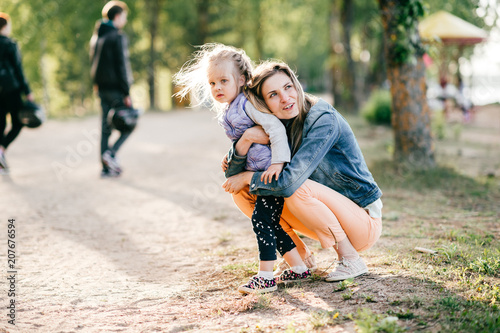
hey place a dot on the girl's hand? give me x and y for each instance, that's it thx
(224, 165)
(237, 182)
(30, 97)
(273, 171)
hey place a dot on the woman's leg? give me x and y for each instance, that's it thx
(246, 203)
(333, 217)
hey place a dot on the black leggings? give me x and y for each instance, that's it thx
(266, 225)
(10, 103)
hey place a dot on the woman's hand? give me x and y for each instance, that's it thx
(224, 165)
(252, 135)
(30, 97)
(238, 182)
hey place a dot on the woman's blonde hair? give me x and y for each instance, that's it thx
(304, 101)
(193, 76)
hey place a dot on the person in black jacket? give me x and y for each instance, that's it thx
(12, 85)
(112, 75)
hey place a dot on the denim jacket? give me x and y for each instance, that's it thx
(329, 154)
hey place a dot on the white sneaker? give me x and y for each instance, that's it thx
(347, 269)
(110, 162)
(3, 162)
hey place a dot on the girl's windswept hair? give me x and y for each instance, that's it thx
(304, 101)
(193, 76)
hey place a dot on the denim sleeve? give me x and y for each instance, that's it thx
(236, 164)
(319, 139)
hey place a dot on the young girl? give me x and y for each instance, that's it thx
(222, 72)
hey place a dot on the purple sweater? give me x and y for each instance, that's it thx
(236, 121)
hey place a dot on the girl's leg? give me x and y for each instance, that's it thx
(246, 202)
(266, 214)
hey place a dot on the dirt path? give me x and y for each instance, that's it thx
(112, 254)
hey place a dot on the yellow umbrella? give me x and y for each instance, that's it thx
(450, 29)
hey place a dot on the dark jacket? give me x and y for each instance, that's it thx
(329, 154)
(11, 57)
(113, 67)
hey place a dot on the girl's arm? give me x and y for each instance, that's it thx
(280, 151)
(237, 154)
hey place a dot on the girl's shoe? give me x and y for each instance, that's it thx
(290, 276)
(258, 285)
(346, 269)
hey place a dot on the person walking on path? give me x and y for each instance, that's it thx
(112, 74)
(13, 85)
(330, 195)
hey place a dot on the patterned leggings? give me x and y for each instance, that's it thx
(266, 226)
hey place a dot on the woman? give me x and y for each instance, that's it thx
(12, 85)
(330, 195)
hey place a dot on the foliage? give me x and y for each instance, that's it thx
(377, 109)
(404, 44)
(53, 36)
(368, 322)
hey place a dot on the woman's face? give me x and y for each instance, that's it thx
(280, 95)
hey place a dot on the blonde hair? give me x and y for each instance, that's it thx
(193, 76)
(305, 101)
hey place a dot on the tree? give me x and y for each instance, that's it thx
(411, 117)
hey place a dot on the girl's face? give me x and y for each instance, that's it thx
(224, 84)
(280, 95)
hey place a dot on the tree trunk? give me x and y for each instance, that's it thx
(154, 8)
(411, 119)
(43, 75)
(350, 77)
(203, 20)
(336, 51)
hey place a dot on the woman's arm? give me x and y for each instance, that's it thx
(320, 138)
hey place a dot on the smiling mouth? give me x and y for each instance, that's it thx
(289, 106)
